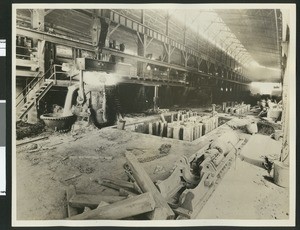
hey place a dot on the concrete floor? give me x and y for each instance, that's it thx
(245, 193)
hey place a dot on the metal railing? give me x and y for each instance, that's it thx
(35, 81)
(56, 72)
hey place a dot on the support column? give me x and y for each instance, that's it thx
(141, 66)
(37, 19)
(208, 64)
(100, 29)
(168, 46)
(141, 47)
(37, 23)
(199, 60)
(155, 98)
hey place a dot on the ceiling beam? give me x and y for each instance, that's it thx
(261, 46)
(245, 35)
(87, 46)
(251, 28)
(264, 50)
(48, 11)
(232, 13)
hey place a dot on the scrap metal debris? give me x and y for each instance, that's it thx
(100, 149)
(164, 149)
(32, 146)
(84, 169)
(150, 158)
(159, 169)
(102, 158)
(192, 181)
(73, 177)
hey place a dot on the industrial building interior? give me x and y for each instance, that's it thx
(152, 113)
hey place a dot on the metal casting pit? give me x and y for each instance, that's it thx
(187, 126)
(58, 122)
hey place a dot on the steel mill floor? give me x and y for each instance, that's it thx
(45, 168)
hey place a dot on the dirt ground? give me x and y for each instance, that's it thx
(83, 157)
(43, 176)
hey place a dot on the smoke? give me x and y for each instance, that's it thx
(95, 78)
(265, 87)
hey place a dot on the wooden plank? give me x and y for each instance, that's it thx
(121, 190)
(102, 204)
(71, 192)
(162, 209)
(121, 183)
(31, 140)
(73, 177)
(92, 201)
(130, 207)
(183, 212)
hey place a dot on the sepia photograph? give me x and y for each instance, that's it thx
(153, 114)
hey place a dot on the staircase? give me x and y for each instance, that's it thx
(44, 88)
(44, 83)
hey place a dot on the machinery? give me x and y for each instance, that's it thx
(93, 77)
(94, 97)
(193, 180)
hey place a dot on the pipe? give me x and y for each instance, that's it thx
(81, 97)
(68, 100)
